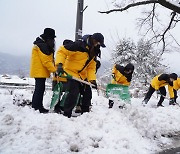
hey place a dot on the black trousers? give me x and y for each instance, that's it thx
(37, 99)
(86, 96)
(151, 91)
(175, 95)
(73, 88)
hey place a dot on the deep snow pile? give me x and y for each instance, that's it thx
(136, 129)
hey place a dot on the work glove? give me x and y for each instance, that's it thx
(94, 83)
(158, 92)
(171, 101)
(60, 68)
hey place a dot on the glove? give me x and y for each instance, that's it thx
(60, 68)
(94, 83)
(171, 101)
(158, 92)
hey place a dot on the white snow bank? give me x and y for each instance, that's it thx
(135, 129)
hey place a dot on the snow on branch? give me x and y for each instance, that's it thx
(130, 6)
(151, 22)
(174, 6)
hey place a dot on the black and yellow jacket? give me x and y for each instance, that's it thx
(76, 60)
(119, 76)
(42, 63)
(161, 81)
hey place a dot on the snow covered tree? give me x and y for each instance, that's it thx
(147, 62)
(124, 52)
(158, 19)
(143, 56)
(145, 59)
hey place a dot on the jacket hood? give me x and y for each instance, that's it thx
(38, 41)
(44, 47)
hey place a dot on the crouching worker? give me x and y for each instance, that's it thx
(121, 75)
(78, 59)
(158, 84)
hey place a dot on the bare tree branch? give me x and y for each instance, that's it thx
(130, 6)
(151, 21)
(175, 39)
(164, 3)
(168, 28)
(169, 5)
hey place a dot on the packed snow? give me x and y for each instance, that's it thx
(133, 130)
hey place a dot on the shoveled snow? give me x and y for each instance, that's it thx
(133, 130)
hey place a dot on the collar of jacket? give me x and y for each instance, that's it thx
(47, 50)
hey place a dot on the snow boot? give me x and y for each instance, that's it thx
(111, 103)
(78, 109)
(67, 114)
(159, 105)
(172, 103)
(57, 110)
(43, 110)
(145, 101)
(84, 109)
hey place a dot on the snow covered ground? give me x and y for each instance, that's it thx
(134, 130)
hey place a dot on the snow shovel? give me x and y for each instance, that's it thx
(120, 91)
(58, 89)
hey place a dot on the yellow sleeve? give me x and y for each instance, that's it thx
(61, 55)
(47, 61)
(171, 92)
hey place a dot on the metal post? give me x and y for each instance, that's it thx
(79, 19)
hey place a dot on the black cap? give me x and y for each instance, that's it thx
(173, 76)
(49, 33)
(100, 38)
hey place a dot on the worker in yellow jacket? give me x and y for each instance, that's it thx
(158, 84)
(121, 75)
(176, 87)
(42, 64)
(79, 60)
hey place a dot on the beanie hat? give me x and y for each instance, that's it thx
(49, 33)
(173, 76)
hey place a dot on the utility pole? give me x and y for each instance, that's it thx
(79, 19)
